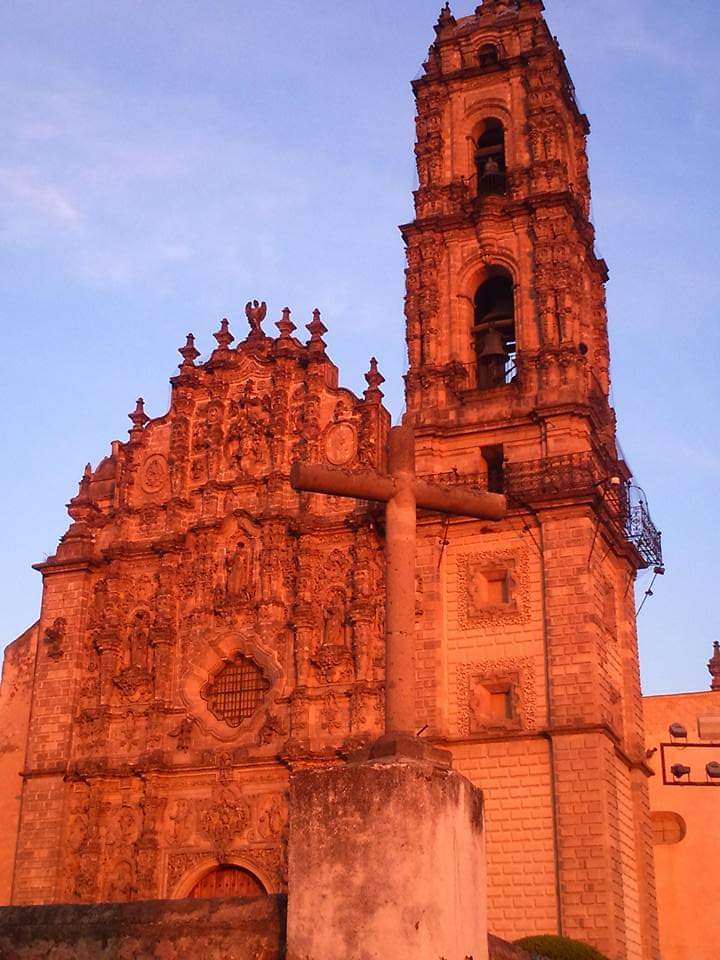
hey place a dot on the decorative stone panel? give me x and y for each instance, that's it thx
(519, 671)
(472, 612)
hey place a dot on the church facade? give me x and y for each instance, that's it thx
(205, 630)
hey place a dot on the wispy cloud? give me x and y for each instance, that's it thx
(27, 197)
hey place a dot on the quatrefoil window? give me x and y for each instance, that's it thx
(235, 692)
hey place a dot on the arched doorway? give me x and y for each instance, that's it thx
(227, 881)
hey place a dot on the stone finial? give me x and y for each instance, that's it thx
(316, 328)
(255, 313)
(189, 352)
(83, 495)
(285, 324)
(138, 417)
(714, 666)
(446, 21)
(374, 378)
(223, 336)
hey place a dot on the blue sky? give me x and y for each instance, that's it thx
(161, 163)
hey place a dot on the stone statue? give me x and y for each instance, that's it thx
(139, 636)
(238, 567)
(334, 631)
(255, 312)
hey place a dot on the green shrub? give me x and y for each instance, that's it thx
(559, 948)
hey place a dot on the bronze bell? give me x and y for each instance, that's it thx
(493, 346)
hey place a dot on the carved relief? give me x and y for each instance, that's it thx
(330, 714)
(182, 819)
(154, 473)
(273, 728)
(271, 817)
(222, 819)
(340, 444)
(183, 733)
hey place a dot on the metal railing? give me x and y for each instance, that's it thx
(492, 184)
(576, 474)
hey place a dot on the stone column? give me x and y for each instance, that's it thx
(400, 586)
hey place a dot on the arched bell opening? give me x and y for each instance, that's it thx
(227, 880)
(490, 159)
(494, 331)
(488, 55)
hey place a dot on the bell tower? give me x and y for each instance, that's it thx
(505, 296)
(526, 647)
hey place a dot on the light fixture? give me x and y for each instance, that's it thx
(677, 731)
(679, 770)
(712, 770)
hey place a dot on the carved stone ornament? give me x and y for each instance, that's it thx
(54, 638)
(340, 444)
(222, 819)
(134, 682)
(154, 473)
(519, 671)
(472, 611)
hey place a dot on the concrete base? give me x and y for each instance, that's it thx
(386, 859)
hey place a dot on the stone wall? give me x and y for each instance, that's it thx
(15, 695)
(160, 930)
(146, 930)
(684, 817)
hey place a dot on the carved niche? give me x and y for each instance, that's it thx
(135, 680)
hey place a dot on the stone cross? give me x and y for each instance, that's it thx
(402, 493)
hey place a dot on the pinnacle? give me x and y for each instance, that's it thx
(138, 417)
(374, 378)
(189, 352)
(223, 336)
(316, 328)
(285, 324)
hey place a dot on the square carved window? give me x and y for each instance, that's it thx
(491, 588)
(236, 691)
(492, 704)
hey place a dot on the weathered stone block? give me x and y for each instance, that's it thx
(386, 859)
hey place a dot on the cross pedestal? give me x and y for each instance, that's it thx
(386, 857)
